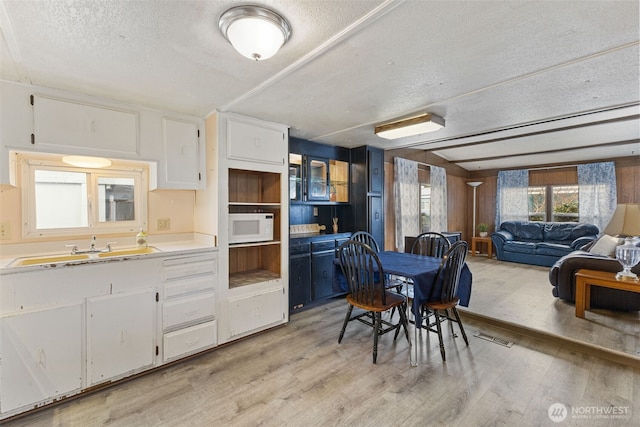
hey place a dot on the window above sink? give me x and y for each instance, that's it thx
(62, 200)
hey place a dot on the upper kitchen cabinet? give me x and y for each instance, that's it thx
(49, 120)
(63, 125)
(180, 154)
(367, 178)
(318, 173)
(248, 142)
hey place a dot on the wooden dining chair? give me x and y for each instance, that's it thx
(367, 239)
(367, 291)
(427, 244)
(449, 275)
(430, 244)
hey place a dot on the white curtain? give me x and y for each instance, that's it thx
(438, 181)
(597, 192)
(406, 199)
(512, 202)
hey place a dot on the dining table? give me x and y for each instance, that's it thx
(427, 284)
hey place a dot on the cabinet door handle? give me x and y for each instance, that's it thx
(42, 358)
(377, 215)
(123, 336)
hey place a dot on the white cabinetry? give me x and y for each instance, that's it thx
(181, 154)
(252, 176)
(120, 334)
(253, 312)
(256, 143)
(189, 305)
(41, 355)
(64, 124)
(54, 121)
(68, 328)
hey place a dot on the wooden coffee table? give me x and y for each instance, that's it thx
(486, 240)
(587, 278)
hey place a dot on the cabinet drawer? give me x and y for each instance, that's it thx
(298, 248)
(189, 340)
(195, 284)
(189, 269)
(187, 310)
(323, 246)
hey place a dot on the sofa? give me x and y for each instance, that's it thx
(562, 278)
(540, 243)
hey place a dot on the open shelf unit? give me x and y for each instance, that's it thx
(255, 191)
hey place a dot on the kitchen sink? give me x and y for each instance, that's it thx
(54, 259)
(134, 251)
(57, 259)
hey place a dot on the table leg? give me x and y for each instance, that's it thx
(580, 296)
(413, 346)
(489, 249)
(473, 247)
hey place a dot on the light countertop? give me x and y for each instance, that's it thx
(183, 245)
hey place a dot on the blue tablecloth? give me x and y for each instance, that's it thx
(422, 269)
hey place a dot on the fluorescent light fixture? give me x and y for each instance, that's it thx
(86, 161)
(412, 126)
(255, 32)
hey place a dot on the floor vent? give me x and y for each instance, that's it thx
(496, 340)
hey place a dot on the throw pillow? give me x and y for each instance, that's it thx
(606, 245)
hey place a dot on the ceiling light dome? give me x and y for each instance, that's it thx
(255, 32)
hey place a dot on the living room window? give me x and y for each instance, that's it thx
(61, 200)
(557, 203)
(425, 208)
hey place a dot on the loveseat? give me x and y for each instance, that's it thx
(540, 243)
(562, 278)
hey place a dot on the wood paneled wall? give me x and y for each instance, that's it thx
(460, 195)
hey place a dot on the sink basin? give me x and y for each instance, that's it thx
(134, 251)
(48, 259)
(55, 259)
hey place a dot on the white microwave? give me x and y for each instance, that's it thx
(250, 227)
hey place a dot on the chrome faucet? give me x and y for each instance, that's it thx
(92, 248)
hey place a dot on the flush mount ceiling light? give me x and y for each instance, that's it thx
(409, 127)
(86, 161)
(254, 31)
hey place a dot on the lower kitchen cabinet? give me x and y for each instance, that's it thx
(299, 276)
(255, 311)
(189, 321)
(66, 329)
(120, 334)
(322, 273)
(41, 356)
(311, 268)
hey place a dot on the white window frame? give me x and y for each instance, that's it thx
(138, 173)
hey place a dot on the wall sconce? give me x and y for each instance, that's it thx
(408, 127)
(255, 32)
(86, 161)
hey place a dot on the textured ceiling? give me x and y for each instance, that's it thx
(503, 74)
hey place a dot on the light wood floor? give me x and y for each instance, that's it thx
(298, 375)
(520, 295)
